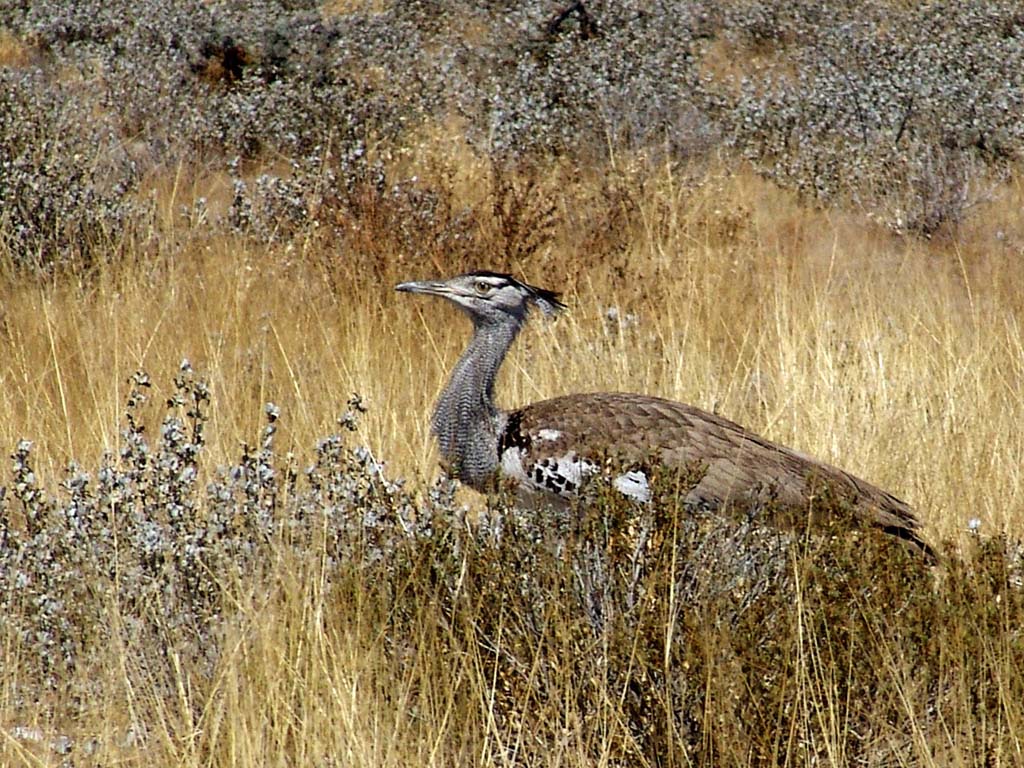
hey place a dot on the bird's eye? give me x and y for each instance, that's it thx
(482, 287)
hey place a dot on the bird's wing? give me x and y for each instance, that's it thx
(739, 465)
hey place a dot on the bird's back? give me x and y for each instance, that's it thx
(634, 431)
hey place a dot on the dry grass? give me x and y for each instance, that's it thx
(341, 7)
(900, 360)
(14, 52)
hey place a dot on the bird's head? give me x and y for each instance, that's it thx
(489, 297)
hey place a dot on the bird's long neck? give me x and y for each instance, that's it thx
(466, 420)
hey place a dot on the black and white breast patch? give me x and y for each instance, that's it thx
(560, 473)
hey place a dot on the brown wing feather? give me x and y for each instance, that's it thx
(740, 465)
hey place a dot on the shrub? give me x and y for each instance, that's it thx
(905, 109)
(660, 633)
(65, 181)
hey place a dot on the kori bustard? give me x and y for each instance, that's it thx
(549, 449)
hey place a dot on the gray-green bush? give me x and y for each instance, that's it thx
(909, 111)
(699, 622)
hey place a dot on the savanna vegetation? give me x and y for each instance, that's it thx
(224, 538)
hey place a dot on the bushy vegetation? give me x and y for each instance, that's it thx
(143, 538)
(908, 111)
(664, 638)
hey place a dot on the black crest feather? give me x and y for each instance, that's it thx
(549, 302)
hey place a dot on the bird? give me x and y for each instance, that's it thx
(549, 450)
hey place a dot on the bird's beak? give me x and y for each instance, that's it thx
(432, 287)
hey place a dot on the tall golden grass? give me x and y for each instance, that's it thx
(900, 360)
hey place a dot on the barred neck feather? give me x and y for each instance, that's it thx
(466, 421)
